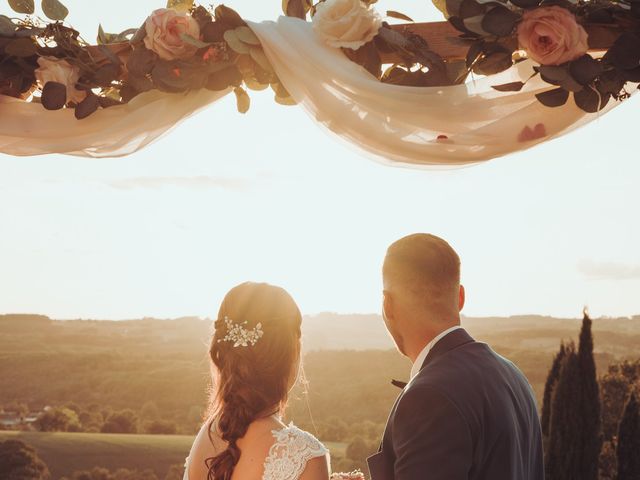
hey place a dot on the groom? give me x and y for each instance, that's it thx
(467, 412)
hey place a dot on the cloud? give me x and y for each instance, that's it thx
(608, 270)
(200, 182)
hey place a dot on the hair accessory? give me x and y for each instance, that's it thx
(239, 335)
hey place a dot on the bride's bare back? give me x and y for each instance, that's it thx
(270, 450)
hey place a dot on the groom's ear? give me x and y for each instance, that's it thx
(461, 298)
(386, 304)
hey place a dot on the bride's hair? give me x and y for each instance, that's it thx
(250, 380)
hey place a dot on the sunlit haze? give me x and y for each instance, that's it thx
(269, 196)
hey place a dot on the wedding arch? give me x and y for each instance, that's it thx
(499, 76)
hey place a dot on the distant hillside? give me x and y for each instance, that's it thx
(349, 362)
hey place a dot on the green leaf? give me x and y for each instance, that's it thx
(86, 107)
(399, 15)
(246, 35)
(509, 87)
(54, 96)
(7, 27)
(261, 59)
(235, 43)
(589, 100)
(442, 6)
(242, 99)
(228, 17)
(493, 63)
(21, 47)
(229, 77)
(180, 5)
(553, 98)
(500, 21)
(296, 8)
(559, 75)
(193, 41)
(23, 6)
(585, 69)
(54, 10)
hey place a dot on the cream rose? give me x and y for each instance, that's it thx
(551, 35)
(165, 28)
(60, 71)
(346, 23)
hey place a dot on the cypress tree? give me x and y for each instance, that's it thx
(590, 434)
(628, 451)
(564, 455)
(552, 380)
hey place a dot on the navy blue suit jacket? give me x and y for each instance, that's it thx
(469, 414)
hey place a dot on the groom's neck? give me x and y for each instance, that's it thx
(417, 341)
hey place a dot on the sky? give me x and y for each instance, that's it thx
(269, 196)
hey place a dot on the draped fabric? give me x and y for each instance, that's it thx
(402, 125)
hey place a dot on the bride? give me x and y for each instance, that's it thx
(255, 355)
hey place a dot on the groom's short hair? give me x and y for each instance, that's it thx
(424, 263)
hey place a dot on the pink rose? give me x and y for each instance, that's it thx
(165, 28)
(552, 36)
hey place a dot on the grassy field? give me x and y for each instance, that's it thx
(65, 453)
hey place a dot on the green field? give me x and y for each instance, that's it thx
(65, 453)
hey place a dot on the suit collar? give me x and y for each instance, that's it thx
(447, 343)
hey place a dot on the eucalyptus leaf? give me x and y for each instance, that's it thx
(86, 107)
(21, 47)
(228, 17)
(235, 43)
(141, 61)
(296, 8)
(287, 101)
(261, 59)
(255, 85)
(553, 98)
(54, 96)
(585, 69)
(246, 35)
(180, 5)
(442, 6)
(7, 27)
(500, 21)
(559, 75)
(229, 77)
(492, 63)
(509, 87)
(193, 41)
(242, 99)
(23, 6)
(54, 10)
(399, 15)
(589, 100)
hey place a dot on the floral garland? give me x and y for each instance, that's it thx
(186, 47)
(179, 48)
(498, 34)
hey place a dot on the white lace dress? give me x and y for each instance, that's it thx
(289, 455)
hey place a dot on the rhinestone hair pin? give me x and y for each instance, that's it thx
(239, 335)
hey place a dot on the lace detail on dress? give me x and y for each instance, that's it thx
(288, 457)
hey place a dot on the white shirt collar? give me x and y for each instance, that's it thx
(415, 369)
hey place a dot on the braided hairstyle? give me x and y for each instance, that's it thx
(250, 382)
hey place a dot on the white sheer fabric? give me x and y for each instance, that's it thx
(394, 123)
(28, 129)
